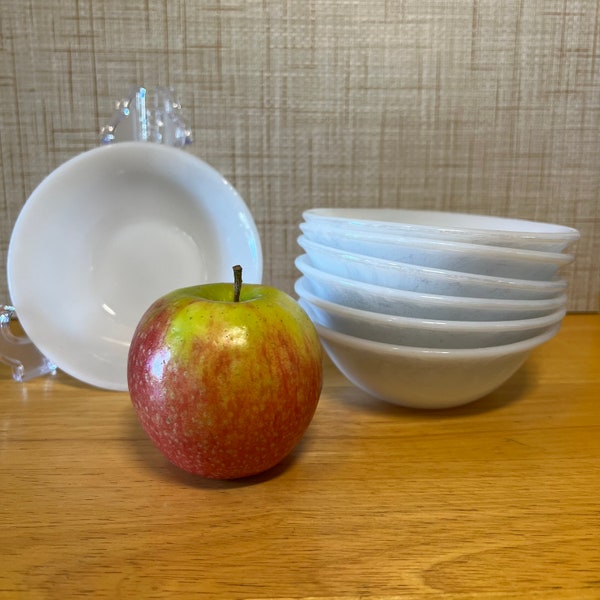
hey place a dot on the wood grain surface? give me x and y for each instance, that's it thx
(497, 499)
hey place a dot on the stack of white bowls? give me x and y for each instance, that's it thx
(431, 309)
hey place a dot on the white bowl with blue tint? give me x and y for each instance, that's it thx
(366, 296)
(451, 226)
(513, 263)
(429, 280)
(423, 333)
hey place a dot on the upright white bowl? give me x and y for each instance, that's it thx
(423, 333)
(424, 377)
(106, 234)
(514, 263)
(404, 276)
(440, 225)
(413, 304)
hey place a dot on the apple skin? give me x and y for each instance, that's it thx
(225, 389)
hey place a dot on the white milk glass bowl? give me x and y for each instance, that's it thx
(451, 226)
(514, 263)
(424, 377)
(423, 333)
(404, 276)
(390, 301)
(106, 234)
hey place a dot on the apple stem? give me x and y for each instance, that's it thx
(237, 282)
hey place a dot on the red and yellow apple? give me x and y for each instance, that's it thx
(225, 379)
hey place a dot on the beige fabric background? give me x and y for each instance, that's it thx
(471, 105)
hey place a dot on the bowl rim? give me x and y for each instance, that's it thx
(531, 229)
(310, 270)
(307, 244)
(427, 324)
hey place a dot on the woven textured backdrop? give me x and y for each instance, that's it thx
(469, 105)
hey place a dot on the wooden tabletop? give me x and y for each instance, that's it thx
(497, 499)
